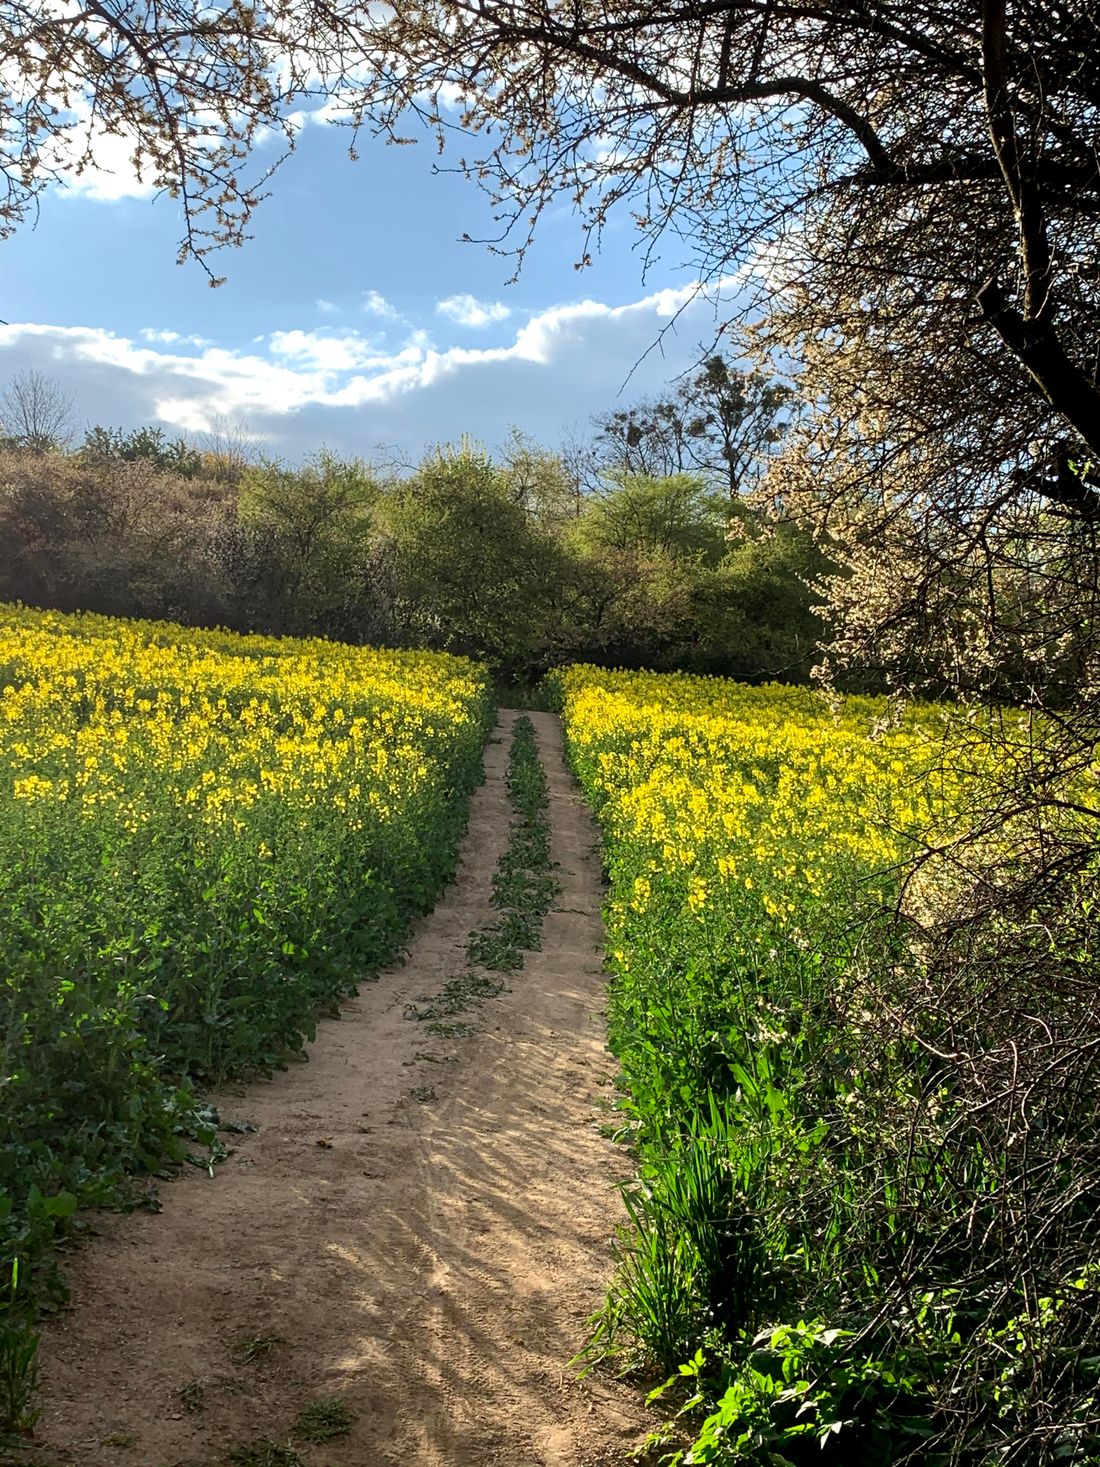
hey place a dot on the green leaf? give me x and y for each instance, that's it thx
(62, 1204)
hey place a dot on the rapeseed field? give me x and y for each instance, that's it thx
(205, 841)
(755, 840)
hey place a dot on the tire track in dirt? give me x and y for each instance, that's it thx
(430, 1265)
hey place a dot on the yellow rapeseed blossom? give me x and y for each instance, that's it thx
(714, 794)
(115, 717)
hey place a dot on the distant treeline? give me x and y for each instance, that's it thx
(636, 552)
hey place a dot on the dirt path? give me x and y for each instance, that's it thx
(431, 1265)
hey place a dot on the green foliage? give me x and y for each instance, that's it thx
(677, 516)
(755, 613)
(794, 1395)
(148, 445)
(146, 957)
(542, 482)
(324, 1421)
(263, 1452)
(18, 1361)
(523, 885)
(693, 1260)
(457, 996)
(192, 1397)
(251, 1348)
(473, 571)
(669, 574)
(306, 555)
(522, 560)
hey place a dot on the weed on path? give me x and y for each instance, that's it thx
(524, 889)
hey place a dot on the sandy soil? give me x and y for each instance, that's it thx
(431, 1264)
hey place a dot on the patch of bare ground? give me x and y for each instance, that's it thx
(429, 1262)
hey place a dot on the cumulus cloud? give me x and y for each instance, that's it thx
(467, 310)
(299, 388)
(318, 351)
(94, 164)
(172, 338)
(376, 304)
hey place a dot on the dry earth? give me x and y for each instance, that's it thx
(431, 1265)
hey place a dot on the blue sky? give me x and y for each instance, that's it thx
(355, 318)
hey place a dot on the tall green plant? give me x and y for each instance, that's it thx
(18, 1361)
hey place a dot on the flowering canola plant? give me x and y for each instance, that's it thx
(121, 716)
(715, 797)
(753, 837)
(820, 1205)
(205, 840)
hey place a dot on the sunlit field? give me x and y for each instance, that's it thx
(205, 841)
(754, 839)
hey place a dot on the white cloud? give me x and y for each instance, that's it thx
(100, 165)
(335, 109)
(376, 304)
(327, 308)
(300, 388)
(313, 350)
(467, 310)
(172, 338)
(92, 162)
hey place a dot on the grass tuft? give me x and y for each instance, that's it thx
(323, 1421)
(523, 892)
(524, 887)
(254, 1347)
(263, 1452)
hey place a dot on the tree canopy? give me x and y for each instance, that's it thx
(35, 412)
(720, 422)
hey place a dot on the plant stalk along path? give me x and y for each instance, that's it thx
(409, 1244)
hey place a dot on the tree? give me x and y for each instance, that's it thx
(720, 422)
(758, 612)
(188, 86)
(123, 536)
(542, 482)
(887, 171)
(909, 197)
(307, 558)
(890, 171)
(36, 412)
(668, 578)
(476, 573)
(228, 448)
(674, 515)
(149, 445)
